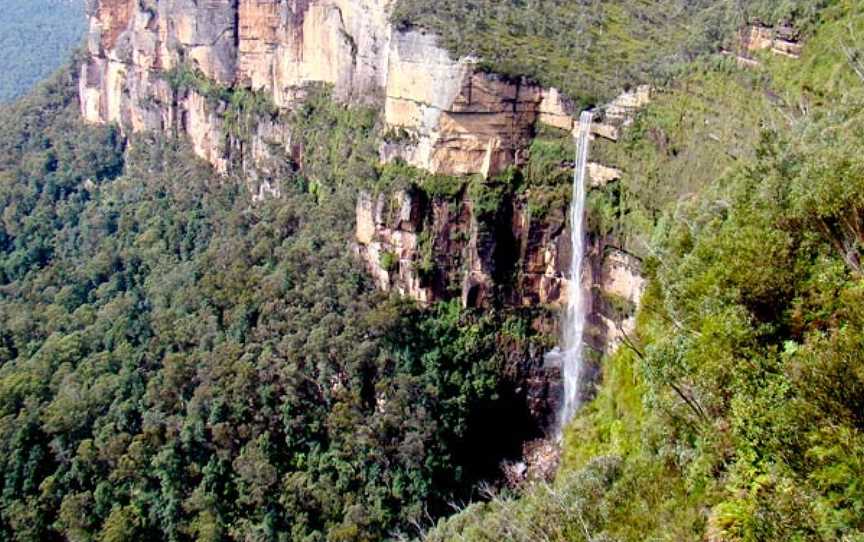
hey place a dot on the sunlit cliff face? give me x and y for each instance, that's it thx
(459, 120)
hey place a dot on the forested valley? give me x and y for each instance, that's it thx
(182, 359)
(182, 364)
(36, 38)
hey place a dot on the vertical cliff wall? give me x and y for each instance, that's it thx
(441, 114)
(434, 248)
(172, 66)
(455, 119)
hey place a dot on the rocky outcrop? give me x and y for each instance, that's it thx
(283, 45)
(457, 119)
(437, 248)
(600, 175)
(780, 40)
(450, 117)
(388, 236)
(622, 109)
(617, 286)
(133, 43)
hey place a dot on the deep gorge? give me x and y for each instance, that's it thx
(291, 270)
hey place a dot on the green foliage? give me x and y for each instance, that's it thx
(186, 76)
(694, 130)
(711, 119)
(752, 284)
(398, 175)
(36, 38)
(734, 410)
(487, 197)
(241, 109)
(339, 143)
(617, 480)
(570, 510)
(591, 50)
(179, 364)
(550, 160)
(549, 172)
(246, 109)
(603, 209)
(389, 261)
(829, 70)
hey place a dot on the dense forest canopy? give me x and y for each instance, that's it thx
(179, 362)
(36, 38)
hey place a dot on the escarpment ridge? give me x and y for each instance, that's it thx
(456, 118)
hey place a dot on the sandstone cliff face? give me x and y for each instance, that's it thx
(434, 249)
(441, 114)
(133, 43)
(284, 45)
(460, 120)
(781, 40)
(456, 119)
(617, 286)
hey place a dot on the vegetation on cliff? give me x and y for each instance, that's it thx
(591, 50)
(734, 412)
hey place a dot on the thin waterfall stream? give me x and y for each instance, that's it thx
(569, 354)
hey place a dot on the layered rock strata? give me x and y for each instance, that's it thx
(453, 118)
(780, 40)
(435, 248)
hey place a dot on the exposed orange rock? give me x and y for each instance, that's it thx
(462, 121)
(781, 40)
(600, 175)
(258, 37)
(759, 37)
(114, 17)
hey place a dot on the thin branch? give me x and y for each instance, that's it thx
(852, 56)
(628, 342)
(838, 245)
(690, 402)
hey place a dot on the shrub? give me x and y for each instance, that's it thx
(389, 261)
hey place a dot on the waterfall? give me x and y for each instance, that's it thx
(569, 354)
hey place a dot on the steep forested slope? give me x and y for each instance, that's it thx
(36, 38)
(593, 50)
(734, 412)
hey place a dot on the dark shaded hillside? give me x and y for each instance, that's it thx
(36, 38)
